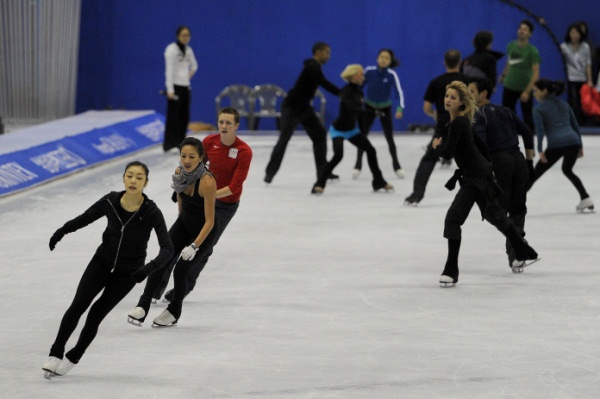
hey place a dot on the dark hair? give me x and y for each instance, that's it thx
(577, 27)
(482, 40)
(319, 46)
(231, 111)
(193, 142)
(137, 163)
(483, 84)
(395, 62)
(528, 23)
(452, 58)
(555, 87)
(180, 28)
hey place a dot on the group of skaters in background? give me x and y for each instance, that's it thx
(481, 137)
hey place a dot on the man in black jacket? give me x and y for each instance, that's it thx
(297, 108)
(499, 128)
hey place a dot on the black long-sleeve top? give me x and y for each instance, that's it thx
(500, 128)
(351, 107)
(124, 243)
(469, 152)
(311, 77)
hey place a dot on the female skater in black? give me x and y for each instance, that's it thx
(193, 231)
(477, 183)
(116, 266)
(345, 128)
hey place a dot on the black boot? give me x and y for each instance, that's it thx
(451, 267)
(522, 250)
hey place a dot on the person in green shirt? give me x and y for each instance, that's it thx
(521, 70)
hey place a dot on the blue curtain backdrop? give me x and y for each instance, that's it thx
(265, 41)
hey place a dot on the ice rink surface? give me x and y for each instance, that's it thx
(332, 296)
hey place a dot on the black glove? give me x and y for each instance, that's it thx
(531, 169)
(56, 237)
(139, 275)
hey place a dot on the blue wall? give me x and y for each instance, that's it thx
(265, 41)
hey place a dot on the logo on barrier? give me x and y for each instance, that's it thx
(12, 174)
(153, 131)
(113, 143)
(57, 160)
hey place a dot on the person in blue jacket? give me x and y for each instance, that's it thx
(382, 90)
(117, 265)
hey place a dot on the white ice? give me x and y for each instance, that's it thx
(332, 296)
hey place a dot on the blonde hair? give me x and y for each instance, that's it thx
(468, 108)
(350, 70)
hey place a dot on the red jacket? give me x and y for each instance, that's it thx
(590, 100)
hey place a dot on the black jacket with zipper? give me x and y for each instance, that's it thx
(124, 244)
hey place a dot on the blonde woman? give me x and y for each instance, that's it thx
(477, 183)
(345, 127)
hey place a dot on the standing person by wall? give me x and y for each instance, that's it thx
(297, 108)
(521, 70)
(555, 120)
(383, 89)
(180, 66)
(578, 58)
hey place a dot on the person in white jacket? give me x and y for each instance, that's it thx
(180, 66)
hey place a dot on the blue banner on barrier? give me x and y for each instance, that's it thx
(40, 164)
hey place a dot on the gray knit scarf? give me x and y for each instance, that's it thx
(184, 179)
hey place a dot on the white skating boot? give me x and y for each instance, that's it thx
(137, 316)
(400, 173)
(64, 367)
(166, 319)
(50, 366)
(446, 281)
(355, 173)
(586, 205)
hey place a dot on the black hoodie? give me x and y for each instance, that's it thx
(311, 77)
(124, 244)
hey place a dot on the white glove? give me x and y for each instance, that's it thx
(189, 252)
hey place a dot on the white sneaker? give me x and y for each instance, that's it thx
(64, 367)
(136, 316)
(50, 366)
(166, 319)
(585, 203)
(400, 173)
(355, 173)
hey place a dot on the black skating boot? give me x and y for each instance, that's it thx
(449, 276)
(523, 252)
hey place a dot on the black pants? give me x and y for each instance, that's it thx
(509, 100)
(424, 170)
(314, 129)
(388, 131)
(569, 155)
(96, 277)
(574, 92)
(224, 212)
(512, 175)
(181, 237)
(360, 141)
(178, 118)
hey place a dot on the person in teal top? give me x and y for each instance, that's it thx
(555, 120)
(521, 70)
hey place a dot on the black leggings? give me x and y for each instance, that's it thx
(360, 141)
(97, 277)
(180, 237)
(388, 131)
(569, 155)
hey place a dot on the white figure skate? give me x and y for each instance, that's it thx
(50, 366)
(166, 319)
(585, 206)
